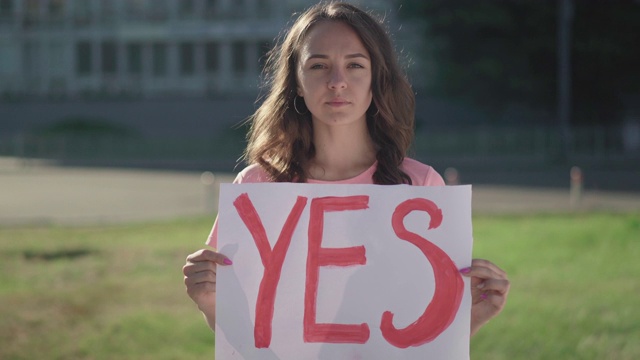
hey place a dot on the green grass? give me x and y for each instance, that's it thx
(100, 293)
(575, 286)
(117, 292)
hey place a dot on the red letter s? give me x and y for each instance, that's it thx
(449, 285)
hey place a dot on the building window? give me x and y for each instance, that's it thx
(56, 8)
(186, 8)
(56, 59)
(210, 9)
(134, 58)
(83, 58)
(109, 57)
(239, 57)
(238, 8)
(187, 59)
(6, 7)
(6, 63)
(82, 13)
(211, 57)
(32, 55)
(32, 13)
(107, 11)
(159, 51)
(6, 13)
(159, 11)
(32, 65)
(134, 9)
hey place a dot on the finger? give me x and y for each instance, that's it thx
(204, 255)
(201, 277)
(192, 268)
(496, 300)
(497, 285)
(484, 269)
(201, 267)
(209, 255)
(488, 264)
(481, 272)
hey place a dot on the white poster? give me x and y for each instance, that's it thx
(343, 272)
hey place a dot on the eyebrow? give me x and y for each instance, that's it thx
(350, 56)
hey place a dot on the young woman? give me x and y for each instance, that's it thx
(339, 110)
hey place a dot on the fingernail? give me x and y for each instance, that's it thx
(483, 296)
(466, 270)
(227, 262)
(480, 286)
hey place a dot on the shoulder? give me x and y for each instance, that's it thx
(421, 174)
(252, 174)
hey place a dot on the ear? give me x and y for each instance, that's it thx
(299, 91)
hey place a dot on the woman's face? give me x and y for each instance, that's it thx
(334, 74)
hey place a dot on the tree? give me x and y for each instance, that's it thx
(496, 53)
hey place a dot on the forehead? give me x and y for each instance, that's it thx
(332, 37)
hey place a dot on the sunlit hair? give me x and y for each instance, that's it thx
(281, 140)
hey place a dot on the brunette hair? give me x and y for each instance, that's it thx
(280, 138)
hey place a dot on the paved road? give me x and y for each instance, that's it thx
(40, 193)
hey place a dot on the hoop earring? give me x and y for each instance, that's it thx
(377, 112)
(295, 106)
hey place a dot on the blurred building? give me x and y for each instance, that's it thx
(137, 47)
(147, 47)
(163, 68)
(142, 48)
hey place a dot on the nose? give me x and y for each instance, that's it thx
(337, 79)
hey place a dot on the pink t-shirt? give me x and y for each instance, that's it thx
(420, 174)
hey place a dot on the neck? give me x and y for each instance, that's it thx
(341, 153)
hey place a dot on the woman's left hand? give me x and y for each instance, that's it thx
(489, 290)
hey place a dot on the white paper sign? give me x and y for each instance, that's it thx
(343, 272)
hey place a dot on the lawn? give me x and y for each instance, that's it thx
(116, 292)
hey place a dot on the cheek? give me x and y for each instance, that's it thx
(365, 85)
(362, 80)
(309, 85)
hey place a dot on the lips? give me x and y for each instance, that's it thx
(338, 102)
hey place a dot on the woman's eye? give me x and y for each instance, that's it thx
(317, 66)
(355, 65)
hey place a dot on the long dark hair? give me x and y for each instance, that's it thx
(281, 140)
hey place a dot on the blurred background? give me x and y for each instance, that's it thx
(512, 92)
(119, 118)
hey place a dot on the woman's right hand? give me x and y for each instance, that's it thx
(200, 280)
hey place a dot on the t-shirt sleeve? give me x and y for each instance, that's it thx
(433, 178)
(251, 174)
(421, 174)
(212, 240)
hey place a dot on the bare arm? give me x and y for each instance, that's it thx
(489, 291)
(200, 280)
